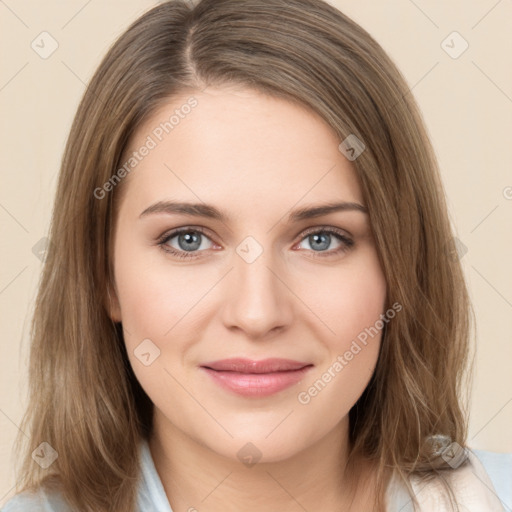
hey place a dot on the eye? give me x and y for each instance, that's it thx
(320, 239)
(188, 242)
(191, 240)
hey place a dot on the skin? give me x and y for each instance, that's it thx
(257, 158)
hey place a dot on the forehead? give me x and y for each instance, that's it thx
(238, 145)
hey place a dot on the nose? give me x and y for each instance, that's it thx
(257, 300)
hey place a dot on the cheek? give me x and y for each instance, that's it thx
(153, 302)
(347, 299)
(160, 305)
(153, 296)
(351, 307)
(362, 299)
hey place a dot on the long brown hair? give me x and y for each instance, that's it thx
(84, 399)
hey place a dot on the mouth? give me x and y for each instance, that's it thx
(256, 378)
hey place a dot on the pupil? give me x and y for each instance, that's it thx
(191, 241)
(317, 239)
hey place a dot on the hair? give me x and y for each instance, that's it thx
(84, 399)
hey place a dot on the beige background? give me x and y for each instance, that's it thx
(467, 106)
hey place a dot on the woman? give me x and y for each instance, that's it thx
(250, 301)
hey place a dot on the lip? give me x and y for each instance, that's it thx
(251, 378)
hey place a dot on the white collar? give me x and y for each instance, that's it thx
(471, 484)
(151, 495)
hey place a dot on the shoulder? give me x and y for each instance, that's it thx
(483, 483)
(473, 486)
(151, 494)
(40, 501)
(498, 467)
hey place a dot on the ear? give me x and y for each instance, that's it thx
(113, 307)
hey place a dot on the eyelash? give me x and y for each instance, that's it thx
(347, 242)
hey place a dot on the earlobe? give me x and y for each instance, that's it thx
(113, 307)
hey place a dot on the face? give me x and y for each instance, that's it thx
(247, 274)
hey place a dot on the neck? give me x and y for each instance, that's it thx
(195, 477)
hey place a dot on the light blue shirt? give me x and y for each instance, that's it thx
(152, 497)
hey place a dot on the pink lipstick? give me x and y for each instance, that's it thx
(251, 378)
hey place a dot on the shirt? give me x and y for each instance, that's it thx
(483, 486)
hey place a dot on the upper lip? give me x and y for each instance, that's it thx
(242, 365)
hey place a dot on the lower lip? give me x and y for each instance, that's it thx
(256, 384)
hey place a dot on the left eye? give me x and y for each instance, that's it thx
(320, 241)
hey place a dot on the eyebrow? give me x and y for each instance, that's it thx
(209, 211)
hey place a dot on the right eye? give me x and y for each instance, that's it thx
(189, 241)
